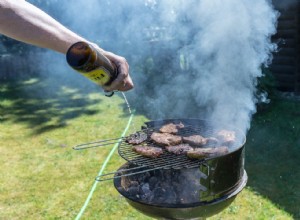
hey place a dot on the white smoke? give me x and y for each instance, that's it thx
(231, 45)
(210, 52)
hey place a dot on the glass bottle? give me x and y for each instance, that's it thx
(90, 62)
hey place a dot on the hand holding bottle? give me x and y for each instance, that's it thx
(31, 25)
(104, 68)
(123, 82)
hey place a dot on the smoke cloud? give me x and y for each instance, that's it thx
(188, 58)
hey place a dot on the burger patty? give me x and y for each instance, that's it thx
(179, 149)
(165, 139)
(195, 140)
(136, 138)
(148, 151)
(226, 136)
(200, 153)
(212, 141)
(171, 128)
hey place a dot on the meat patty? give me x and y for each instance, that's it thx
(171, 128)
(226, 136)
(179, 149)
(212, 141)
(200, 153)
(195, 140)
(136, 138)
(148, 151)
(165, 139)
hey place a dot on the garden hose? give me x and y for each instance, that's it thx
(79, 215)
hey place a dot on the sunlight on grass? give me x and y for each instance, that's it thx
(30, 81)
(251, 205)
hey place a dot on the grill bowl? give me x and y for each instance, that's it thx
(182, 211)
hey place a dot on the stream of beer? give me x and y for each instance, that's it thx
(127, 103)
(129, 109)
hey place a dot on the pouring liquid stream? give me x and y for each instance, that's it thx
(127, 103)
(129, 109)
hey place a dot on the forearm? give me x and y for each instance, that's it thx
(25, 22)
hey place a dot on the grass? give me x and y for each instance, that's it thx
(42, 177)
(273, 153)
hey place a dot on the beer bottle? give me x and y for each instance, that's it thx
(90, 62)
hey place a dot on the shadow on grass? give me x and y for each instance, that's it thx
(273, 155)
(31, 101)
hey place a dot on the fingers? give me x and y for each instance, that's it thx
(123, 82)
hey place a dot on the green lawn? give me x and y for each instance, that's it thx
(42, 177)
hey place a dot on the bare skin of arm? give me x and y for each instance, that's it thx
(25, 22)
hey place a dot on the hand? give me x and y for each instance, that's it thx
(123, 82)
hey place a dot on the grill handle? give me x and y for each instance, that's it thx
(100, 143)
(207, 168)
(127, 172)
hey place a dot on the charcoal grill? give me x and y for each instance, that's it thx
(220, 178)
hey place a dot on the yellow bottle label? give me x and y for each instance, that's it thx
(100, 76)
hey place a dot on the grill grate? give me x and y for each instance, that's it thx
(166, 160)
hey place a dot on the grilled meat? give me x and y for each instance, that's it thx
(179, 149)
(171, 128)
(200, 153)
(136, 138)
(195, 140)
(226, 136)
(165, 139)
(212, 141)
(148, 151)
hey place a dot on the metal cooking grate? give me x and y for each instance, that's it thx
(166, 160)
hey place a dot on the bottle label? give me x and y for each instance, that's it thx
(100, 76)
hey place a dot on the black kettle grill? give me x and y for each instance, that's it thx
(175, 187)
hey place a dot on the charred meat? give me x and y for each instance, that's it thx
(226, 136)
(136, 138)
(179, 149)
(171, 128)
(200, 153)
(165, 139)
(148, 151)
(212, 141)
(195, 140)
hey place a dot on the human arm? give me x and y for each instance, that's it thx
(25, 22)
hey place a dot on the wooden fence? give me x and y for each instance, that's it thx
(286, 63)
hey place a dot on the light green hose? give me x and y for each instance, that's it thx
(79, 215)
